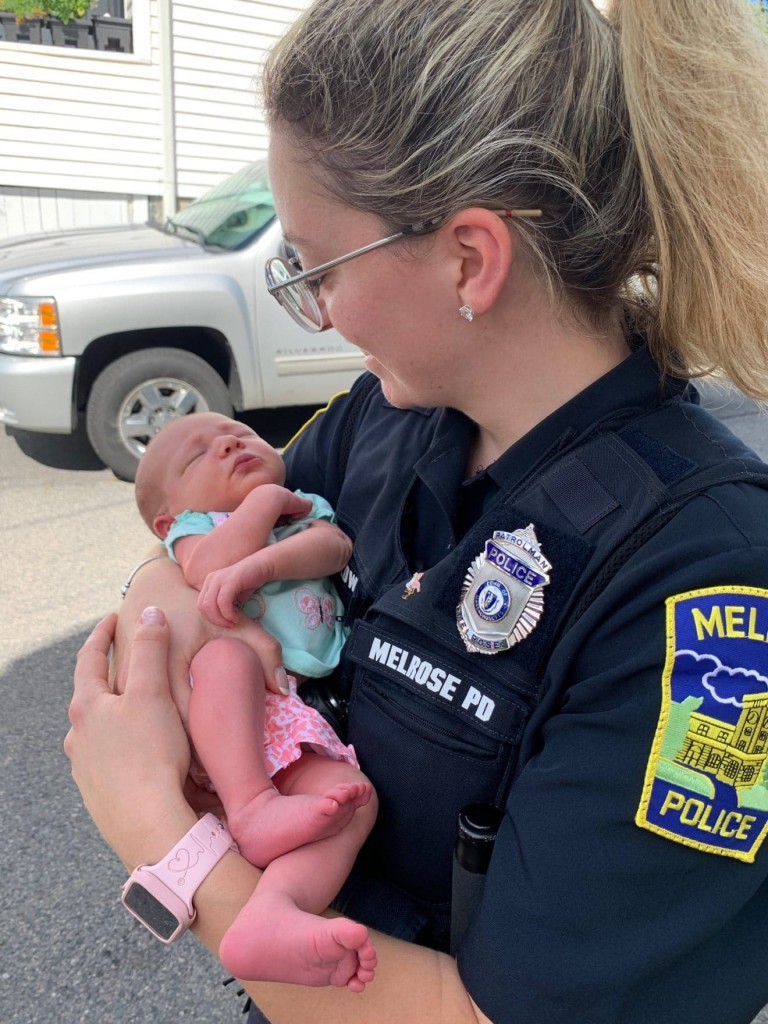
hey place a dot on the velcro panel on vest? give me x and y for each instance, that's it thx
(578, 494)
(616, 469)
(668, 465)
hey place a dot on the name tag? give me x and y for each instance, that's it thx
(427, 674)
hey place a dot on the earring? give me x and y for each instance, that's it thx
(467, 312)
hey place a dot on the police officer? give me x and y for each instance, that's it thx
(537, 224)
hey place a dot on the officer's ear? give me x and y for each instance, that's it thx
(485, 247)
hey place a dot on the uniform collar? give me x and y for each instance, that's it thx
(634, 385)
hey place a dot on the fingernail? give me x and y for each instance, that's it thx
(152, 617)
(281, 678)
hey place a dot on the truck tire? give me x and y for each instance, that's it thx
(134, 397)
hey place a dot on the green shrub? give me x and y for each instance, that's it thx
(64, 10)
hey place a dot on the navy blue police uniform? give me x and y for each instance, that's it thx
(623, 546)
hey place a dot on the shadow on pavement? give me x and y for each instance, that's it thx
(59, 451)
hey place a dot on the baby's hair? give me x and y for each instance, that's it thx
(642, 135)
(148, 497)
(148, 489)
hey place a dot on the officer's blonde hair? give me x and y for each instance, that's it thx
(642, 135)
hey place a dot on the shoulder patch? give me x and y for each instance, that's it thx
(706, 784)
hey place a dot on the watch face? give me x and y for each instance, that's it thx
(150, 911)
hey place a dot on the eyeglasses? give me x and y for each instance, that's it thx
(296, 289)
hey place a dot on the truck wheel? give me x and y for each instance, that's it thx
(139, 393)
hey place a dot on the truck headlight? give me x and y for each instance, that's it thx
(29, 327)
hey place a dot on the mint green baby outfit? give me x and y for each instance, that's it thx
(304, 615)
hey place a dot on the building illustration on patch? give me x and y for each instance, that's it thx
(734, 754)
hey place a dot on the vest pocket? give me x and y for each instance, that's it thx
(433, 734)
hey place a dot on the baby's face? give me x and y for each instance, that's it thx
(213, 462)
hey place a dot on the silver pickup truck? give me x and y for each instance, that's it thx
(129, 327)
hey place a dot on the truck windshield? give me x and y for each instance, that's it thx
(232, 213)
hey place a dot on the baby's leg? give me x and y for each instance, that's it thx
(226, 723)
(277, 935)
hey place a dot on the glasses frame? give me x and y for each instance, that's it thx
(410, 230)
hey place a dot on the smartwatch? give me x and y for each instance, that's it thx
(160, 895)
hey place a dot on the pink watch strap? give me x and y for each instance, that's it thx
(193, 857)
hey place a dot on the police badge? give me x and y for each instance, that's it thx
(502, 598)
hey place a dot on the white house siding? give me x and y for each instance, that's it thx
(80, 135)
(26, 211)
(217, 57)
(80, 130)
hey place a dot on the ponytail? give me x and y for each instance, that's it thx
(695, 78)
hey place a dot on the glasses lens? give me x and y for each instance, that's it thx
(296, 299)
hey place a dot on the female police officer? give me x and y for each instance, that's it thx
(536, 223)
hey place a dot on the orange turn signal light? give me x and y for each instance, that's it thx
(49, 321)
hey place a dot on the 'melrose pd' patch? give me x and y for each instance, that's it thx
(707, 779)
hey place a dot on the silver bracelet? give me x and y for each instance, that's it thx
(129, 581)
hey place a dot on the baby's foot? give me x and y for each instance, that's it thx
(272, 940)
(272, 824)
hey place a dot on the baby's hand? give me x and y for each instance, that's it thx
(222, 593)
(294, 508)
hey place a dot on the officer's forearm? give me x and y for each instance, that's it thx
(412, 984)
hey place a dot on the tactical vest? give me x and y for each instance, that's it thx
(437, 727)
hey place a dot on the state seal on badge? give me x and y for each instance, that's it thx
(502, 597)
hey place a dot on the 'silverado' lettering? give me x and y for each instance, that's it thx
(437, 680)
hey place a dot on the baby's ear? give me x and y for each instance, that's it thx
(161, 525)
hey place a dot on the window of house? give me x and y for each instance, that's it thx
(108, 25)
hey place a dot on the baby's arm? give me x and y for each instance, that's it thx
(161, 583)
(319, 550)
(247, 530)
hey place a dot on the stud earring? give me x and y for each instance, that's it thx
(467, 312)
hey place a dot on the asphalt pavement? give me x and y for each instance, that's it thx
(68, 953)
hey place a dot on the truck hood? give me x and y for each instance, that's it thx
(67, 250)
